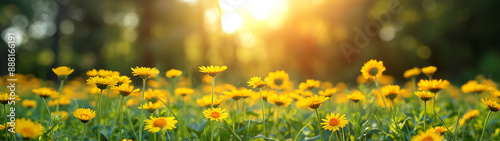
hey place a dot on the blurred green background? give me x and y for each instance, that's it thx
(253, 37)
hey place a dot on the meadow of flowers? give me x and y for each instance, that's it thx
(107, 105)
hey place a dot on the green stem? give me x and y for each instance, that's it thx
(484, 126)
(213, 130)
(180, 123)
(232, 131)
(263, 113)
(380, 92)
(121, 117)
(5, 113)
(319, 124)
(425, 115)
(99, 105)
(331, 136)
(83, 133)
(168, 136)
(130, 122)
(141, 122)
(59, 95)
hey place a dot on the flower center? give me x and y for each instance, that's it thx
(215, 114)
(334, 122)
(160, 123)
(278, 81)
(428, 138)
(373, 71)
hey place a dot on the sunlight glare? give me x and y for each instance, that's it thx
(231, 21)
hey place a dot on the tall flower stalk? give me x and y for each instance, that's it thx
(212, 72)
(256, 82)
(145, 73)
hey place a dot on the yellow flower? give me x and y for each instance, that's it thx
(281, 100)
(127, 140)
(493, 105)
(412, 72)
(256, 82)
(183, 91)
(495, 93)
(328, 92)
(267, 93)
(107, 73)
(429, 70)
(150, 107)
(216, 114)
(294, 96)
(277, 80)
(206, 101)
(313, 102)
(432, 85)
(304, 93)
(439, 129)
(100, 82)
(62, 72)
(309, 84)
(28, 129)
(29, 103)
(121, 79)
(234, 94)
(84, 114)
(61, 114)
(469, 115)
(173, 73)
(92, 73)
(424, 95)
(125, 89)
(44, 92)
(161, 123)
(390, 91)
(62, 102)
(206, 79)
(5, 98)
(334, 122)
(372, 68)
(356, 96)
(212, 70)
(473, 87)
(428, 136)
(145, 72)
(2, 127)
(361, 80)
(151, 94)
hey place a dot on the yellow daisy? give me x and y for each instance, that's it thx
(256, 82)
(121, 79)
(280, 101)
(61, 114)
(161, 123)
(29, 103)
(328, 92)
(428, 136)
(439, 129)
(432, 85)
(100, 82)
(62, 72)
(5, 98)
(390, 91)
(277, 80)
(63, 101)
(412, 72)
(173, 73)
(493, 105)
(216, 114)
(84, 114)
(44, 92)
(92, 73)
(309, 84)
(267, 93)
(429, 70)
(131, 102)
(372, 68)
(125, 89)
(424, 95)
(334, 122)
(206, 101)
(212, 70)
(313, 102)
(183, 91)
(145, 72)
(356, 96)
(473, 87)
(150, 107)
(28, 129)
(469, 115)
